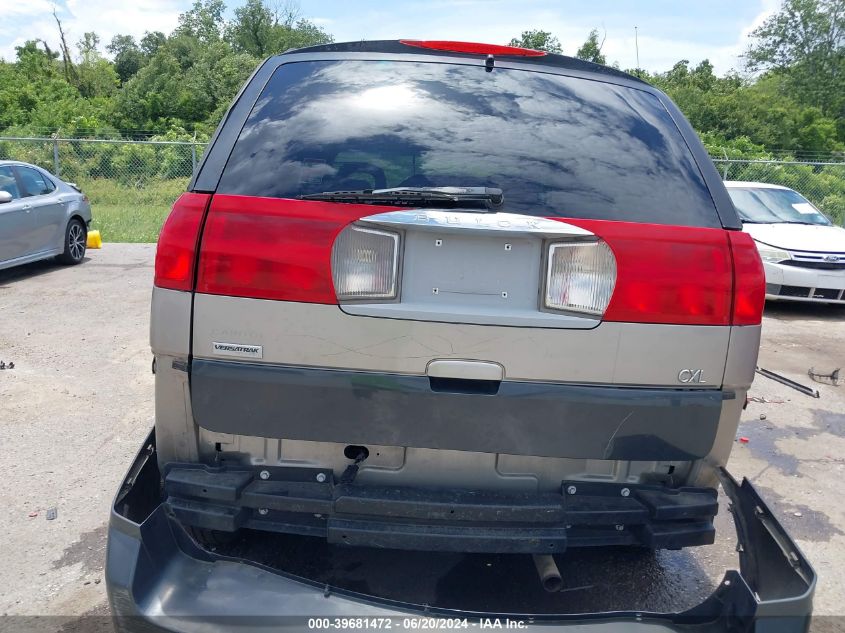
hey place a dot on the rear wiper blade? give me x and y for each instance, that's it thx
(485, 198)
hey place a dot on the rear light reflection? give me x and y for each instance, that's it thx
(581, 277)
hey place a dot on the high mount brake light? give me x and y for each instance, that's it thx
(177, 243)
(474, 48)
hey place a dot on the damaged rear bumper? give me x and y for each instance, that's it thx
(158, 578)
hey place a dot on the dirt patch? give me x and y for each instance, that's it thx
(829, 422)
(762, 442)
(90, 550)
(800, 521)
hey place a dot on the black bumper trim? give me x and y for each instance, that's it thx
(158, 579)
(521, 418)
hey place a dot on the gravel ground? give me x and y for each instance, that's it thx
(73, 412)
(80, 400)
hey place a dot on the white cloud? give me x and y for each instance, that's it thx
(15, 8)
(105, 17)
(661, 53)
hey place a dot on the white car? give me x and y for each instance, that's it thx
(802, 251)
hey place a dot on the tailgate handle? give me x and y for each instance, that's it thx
(465, 370)
(465, 376)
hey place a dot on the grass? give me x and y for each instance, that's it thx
(127, 213)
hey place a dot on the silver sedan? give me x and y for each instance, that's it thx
(41, 216)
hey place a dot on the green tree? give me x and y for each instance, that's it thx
(303, 33)
(591, 49)
(259, 30)
(204, 21)
(96, 75)
(538, 40)
(128, 57)
(36, 62)
(805, 42)
(183, 81)
(151, 42)
(252, 30)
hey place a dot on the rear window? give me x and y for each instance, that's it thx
(34, 183)
(555, 145)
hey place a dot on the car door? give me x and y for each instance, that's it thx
(14, 219)
(46, 212)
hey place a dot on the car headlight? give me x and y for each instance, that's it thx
(771, 254)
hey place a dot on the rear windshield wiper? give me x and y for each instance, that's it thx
(480, 198)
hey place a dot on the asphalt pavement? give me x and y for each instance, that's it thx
(79, 401)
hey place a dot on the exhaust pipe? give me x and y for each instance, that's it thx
(548, 572)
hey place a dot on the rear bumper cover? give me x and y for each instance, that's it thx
(515, 418)
(159, 579)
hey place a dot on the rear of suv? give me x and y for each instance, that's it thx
(445, 296)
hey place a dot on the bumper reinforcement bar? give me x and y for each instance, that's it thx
(294, 500)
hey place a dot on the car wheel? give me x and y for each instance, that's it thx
(76, 240)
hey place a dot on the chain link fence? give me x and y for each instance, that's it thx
(132, 184)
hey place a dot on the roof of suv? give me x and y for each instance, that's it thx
(400, 47)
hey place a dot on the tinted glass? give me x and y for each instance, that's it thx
(8, 182)
(556, 146)
(34, 182)
(775, 206)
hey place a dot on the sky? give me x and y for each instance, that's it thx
(668, 30)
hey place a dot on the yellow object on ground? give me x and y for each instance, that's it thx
(94, 239)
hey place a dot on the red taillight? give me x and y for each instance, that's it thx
(177, 242)
(749, 280)
(268, 248)
(279, 249)
(667, 274)
(474, 48)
